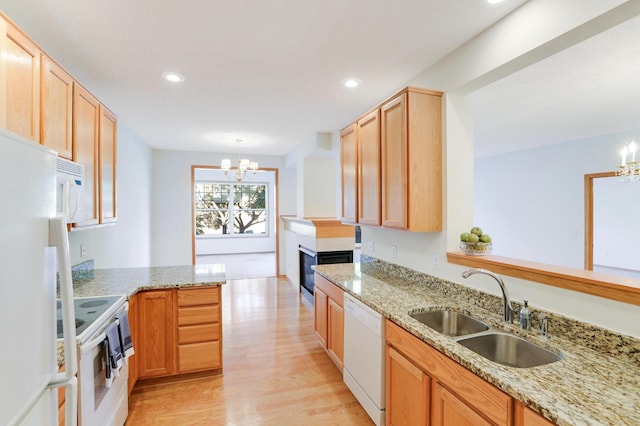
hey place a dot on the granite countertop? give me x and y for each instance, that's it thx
(596, 383)
(129, 281)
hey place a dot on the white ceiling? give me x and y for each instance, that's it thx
(267, 72)
(590, 89)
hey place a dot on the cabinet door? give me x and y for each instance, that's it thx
(369, 169)
(349, 163)
(56, 108)
(20, 78)
(320, 304)
(156, 333)
(107, 169)
(86, 112)
(407, 392)
(448, 409)
(335, 343)
(525, 416)
(394, 162)
(133, 325)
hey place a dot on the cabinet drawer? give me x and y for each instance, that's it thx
(199, 356)
(198, 333)
(199, 315)
(198, 296)
(330, 289)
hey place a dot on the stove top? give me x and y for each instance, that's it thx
(88, 310)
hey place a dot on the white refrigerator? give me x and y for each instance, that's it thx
(33, 246)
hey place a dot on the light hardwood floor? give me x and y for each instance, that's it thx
(274, 370)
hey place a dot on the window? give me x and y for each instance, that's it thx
(225, 209)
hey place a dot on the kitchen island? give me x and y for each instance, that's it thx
(596, 383)
(131, 281)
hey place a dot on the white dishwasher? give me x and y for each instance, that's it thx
(364, 363)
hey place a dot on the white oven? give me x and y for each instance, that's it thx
(99, 403)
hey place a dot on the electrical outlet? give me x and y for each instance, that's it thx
(370, 246)
(394, 251)
(83, 250)
(436, 263)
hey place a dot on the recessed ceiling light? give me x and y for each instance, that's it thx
(494, 1)
(173, 77)
(351, 82)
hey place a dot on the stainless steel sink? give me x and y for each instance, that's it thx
(509, 350)
(450, 323)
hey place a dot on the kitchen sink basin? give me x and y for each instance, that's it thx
(450, 323)
(509, 350)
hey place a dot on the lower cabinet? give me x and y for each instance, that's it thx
(329, 318)
(178, 331)
(425, 387)
(525, 416)
(133, 327)
(408, 388)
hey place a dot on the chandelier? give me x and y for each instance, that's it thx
(239, 172)
(629, 171)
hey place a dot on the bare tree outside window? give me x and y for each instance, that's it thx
(224, 209)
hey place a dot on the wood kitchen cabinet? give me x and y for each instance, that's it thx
(156, 333)
(329, 318)
(349, 168)
(398, 163)
(107, 165)
(178, 331)
(56, 108)
(133, 327)
(199, 329)
(86, 119)
(19, 82)
(411, 161)
(408, 391)
(525, 416)
(368, 130)
(456, 395)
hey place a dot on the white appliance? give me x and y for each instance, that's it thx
(33, 245)
(69, 181)
(101, 402)
(364, 363)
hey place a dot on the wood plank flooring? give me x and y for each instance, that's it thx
(274, 370)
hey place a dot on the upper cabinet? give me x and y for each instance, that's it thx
(411, 138)
(41, 101)
(397, 151)
(86, 116)
(19, 82)
(369, 169)
(349, 164)
(57, 108)
(107, 165)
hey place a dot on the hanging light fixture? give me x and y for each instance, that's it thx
(629, 171)
(239, 172)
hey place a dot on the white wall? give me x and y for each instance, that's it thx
(171, 218)
(242, 244)
(125, 244)
(504, 48)
(532, 202)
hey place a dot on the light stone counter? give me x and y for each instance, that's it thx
(129, 281)
(597, 382)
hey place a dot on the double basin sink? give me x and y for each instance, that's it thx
(496, 346)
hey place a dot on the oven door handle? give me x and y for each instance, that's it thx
(87, 346)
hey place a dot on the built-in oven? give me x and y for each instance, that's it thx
(100, 401)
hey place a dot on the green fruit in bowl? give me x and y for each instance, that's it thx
(485, 238)
(464, 236)
(473, 238)
(476, 230)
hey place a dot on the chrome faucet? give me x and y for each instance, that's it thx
(507, 309)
